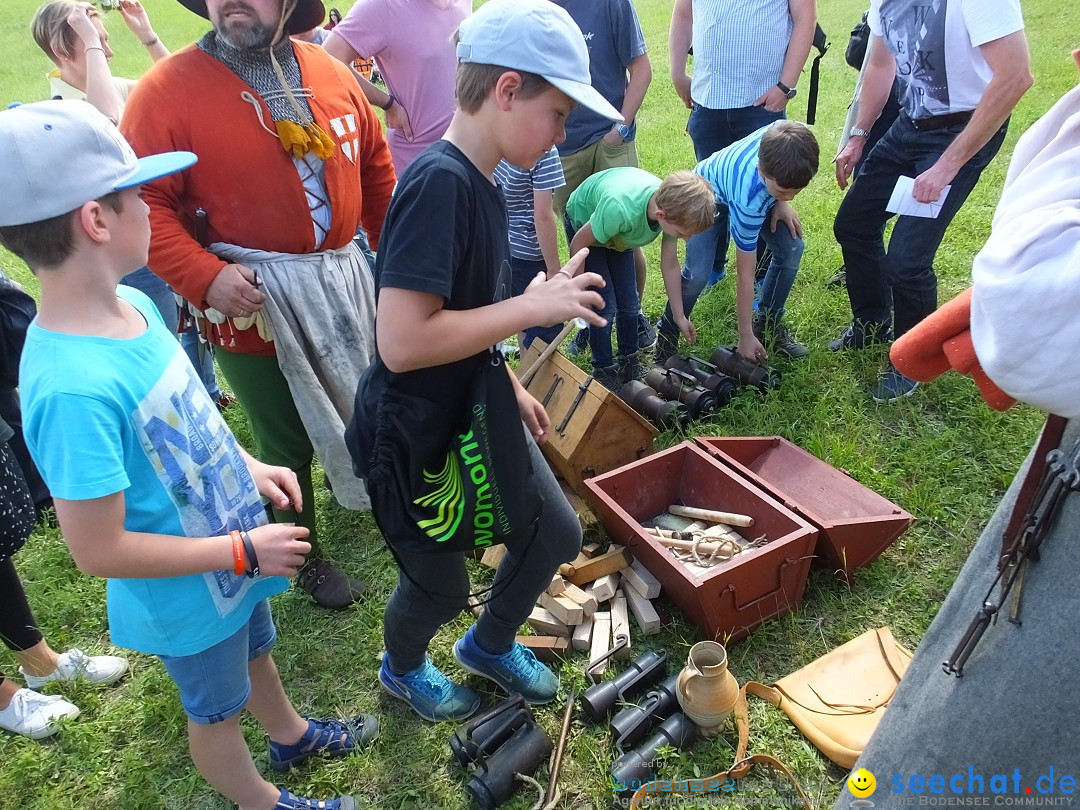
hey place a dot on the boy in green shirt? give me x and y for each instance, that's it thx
(615, 211)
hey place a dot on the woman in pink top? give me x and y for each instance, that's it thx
(410, 39)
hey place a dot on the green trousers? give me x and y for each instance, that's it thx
(280, 438)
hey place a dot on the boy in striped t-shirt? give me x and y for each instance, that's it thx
(534, 244)
(756, 178)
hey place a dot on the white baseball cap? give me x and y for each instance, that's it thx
(535, 36)
(60, 155)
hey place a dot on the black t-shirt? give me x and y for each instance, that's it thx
(446, 233)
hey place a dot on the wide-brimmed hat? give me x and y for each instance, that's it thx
(308, 14)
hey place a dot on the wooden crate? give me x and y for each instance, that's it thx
(602, 433)
(731, 599)
(856, 523)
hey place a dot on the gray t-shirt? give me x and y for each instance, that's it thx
(936, 45)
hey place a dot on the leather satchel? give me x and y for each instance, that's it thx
(836, 701)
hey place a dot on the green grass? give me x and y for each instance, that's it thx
(942, 455)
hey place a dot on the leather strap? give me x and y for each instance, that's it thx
(742, 766)
(1049, 440)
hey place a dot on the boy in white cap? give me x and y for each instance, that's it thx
(151, 489)
(443, 278)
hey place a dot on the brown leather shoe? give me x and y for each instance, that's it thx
(328, 585)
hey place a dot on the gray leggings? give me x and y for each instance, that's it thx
(413, 616)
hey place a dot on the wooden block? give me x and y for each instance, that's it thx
(601, 640)
(542, 621)
(644, 613)
(493, 556)
(591, 550)
(588, 603)
(565, 610)
(557, 586)
(638, 577)
(604, 588)
(546, 648)
(620, 623)
(583, 634)
(586, 517)
(614, 560)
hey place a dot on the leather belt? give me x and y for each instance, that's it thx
(940, 121)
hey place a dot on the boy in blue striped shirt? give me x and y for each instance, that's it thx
(756, 179)
(534, 242)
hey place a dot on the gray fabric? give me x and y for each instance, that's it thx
(321, 307)
(1016, 706)
(254, 67)
(413, 616)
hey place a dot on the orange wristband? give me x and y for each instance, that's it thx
(239, 564)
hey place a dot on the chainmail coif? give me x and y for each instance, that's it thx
(253, 66)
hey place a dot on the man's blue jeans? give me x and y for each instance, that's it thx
(711, 131)
(899, 286)
(787, 251)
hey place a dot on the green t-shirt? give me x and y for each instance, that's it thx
(616, 203)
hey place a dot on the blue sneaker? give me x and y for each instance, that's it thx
(431, 694)
(515, 671)
(290, 801)
(893, 386)
(328, 737)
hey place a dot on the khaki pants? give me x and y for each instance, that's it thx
(592, 159)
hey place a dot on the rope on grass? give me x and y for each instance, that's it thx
(521, 777)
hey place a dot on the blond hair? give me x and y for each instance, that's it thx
(51, 30)
(687, 200)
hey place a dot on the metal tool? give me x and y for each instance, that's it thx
(560, 747)
(555, 383)
(643, 672)
(561, 429)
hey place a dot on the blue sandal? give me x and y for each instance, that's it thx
(328, 737)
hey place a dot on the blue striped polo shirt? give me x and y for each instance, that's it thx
(735, 179)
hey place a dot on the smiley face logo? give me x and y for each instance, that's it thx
(862, 783)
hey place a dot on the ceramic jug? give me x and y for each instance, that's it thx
(706, 690)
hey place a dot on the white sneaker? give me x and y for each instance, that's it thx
(100, 670)
(34, 715)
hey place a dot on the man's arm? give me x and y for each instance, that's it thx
(1010, 62)
(546, 229)
(680, 38)
(878, 75)
(640, 69)
(804, 23)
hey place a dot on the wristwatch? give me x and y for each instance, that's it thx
(790, 92)
(855, 132)
(623, 130)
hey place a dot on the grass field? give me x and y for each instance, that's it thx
(942, 455)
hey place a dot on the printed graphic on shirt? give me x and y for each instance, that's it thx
(344, 127)
(915, 32)
(198, 462)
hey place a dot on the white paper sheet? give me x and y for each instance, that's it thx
(903, 201)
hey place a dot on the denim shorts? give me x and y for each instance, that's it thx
(214, 684)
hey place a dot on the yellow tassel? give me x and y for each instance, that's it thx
(298, 140)
(293, 137)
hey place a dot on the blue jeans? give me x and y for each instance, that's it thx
(214, 684)
(787, 251)
(899, 286)
(621, 301)
(202, 358)
(711, 131)
(154, 287)
(523, 271)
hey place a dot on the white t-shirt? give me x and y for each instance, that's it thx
(58, 88)
(936, 45)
